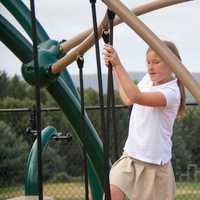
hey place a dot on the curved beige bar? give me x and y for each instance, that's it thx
(71, 43)
(89, 41)
(147, 35)
(80, 50)
(154, 5)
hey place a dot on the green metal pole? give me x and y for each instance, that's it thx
(22, 14)
(31, 178)
(65, 79)
(15, 41)
(96, 188)
(56, 88)
(70, 104)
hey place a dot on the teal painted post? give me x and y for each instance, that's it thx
(31, 178)
(15, 41)
(69, 104)
(96, 172)
(22, 14)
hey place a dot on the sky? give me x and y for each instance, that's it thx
(65, 19)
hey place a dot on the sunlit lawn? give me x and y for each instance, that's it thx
(60, 191)
(75, 191)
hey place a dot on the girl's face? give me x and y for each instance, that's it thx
(158, 70)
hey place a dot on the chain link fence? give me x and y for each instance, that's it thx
(63, 164)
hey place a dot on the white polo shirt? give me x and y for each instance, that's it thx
(151, 128)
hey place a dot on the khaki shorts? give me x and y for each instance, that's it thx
(143, 181)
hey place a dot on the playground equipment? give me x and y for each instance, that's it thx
(55, 78)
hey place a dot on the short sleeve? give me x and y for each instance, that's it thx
(144, 80)
(172, 96)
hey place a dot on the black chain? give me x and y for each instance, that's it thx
(80, 63)
(37, 96)
(101, 102)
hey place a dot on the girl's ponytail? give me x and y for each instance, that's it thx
(182, 107)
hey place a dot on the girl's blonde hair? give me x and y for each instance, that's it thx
(182, 107)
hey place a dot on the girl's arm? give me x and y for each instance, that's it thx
(129, 90)
(122, 94)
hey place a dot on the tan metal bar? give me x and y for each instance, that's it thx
(80, 50)
(89, 41)
(71, 43)
(155, 43)
(152, 6)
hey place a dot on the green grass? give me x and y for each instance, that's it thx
(75, 191)
(188, 185)
(59, 191)
(11, 191)
(187, 191)
(188, 197)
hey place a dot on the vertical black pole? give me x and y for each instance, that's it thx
(111, 16)
(108, 38)
(101, 102)
(37, 96)
(80, 62)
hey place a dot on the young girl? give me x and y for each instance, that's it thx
(144, 171)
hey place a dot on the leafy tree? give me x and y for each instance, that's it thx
(91, 97)
(53, 163)
(186, 141)
(18, 121)
(190, 127)
(44, 96)
(17, 88)
(4, 84)
(181, 156)
(12, 157)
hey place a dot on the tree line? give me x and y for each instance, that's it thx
(63, 160)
